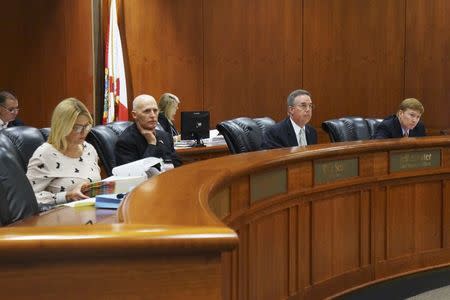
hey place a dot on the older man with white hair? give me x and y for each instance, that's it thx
(142, 139)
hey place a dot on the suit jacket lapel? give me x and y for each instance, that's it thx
(398, 132)
(292, 139)
(307, 133)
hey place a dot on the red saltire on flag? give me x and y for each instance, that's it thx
(115, 102)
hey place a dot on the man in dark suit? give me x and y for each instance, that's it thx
(294, 130)
(142, 139)
(406, 123)
(9, 108)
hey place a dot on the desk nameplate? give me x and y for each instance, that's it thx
(414, 159)
(268, 184)
(328, 171)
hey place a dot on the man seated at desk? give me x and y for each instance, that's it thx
(142, 139)
(294, 130)
(406, 123)
(9, 108)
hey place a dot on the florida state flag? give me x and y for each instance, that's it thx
(116, 103)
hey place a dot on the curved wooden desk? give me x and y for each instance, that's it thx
(312, 223)
(308, 226)
(190, 155)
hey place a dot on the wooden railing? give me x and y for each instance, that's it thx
(312, 223)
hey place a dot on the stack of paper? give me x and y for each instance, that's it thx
(124, 184)
(136, 168)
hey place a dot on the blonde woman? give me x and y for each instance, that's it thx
(168, 106)
(59, 168)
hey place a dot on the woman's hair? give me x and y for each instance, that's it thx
(167, 105)
(63, 119)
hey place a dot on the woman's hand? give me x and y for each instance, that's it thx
(75, 193)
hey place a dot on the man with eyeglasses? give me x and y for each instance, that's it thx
(294, 130)
(9, 108)
(406, 123)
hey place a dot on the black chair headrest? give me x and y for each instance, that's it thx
(17, 199)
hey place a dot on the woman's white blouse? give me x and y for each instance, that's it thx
(52, 173)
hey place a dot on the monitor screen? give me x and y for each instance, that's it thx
(194, 125)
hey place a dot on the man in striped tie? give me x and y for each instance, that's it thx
(406, 123)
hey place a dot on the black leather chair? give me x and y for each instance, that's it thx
(373, 123)
(104, 138)
(45, 132)
(347, 129)
(17, 199)
(264, 123)
(243, 134)
(21, 142)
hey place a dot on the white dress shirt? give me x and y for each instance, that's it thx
(300, 134)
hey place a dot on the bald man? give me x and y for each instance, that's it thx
(142, 139)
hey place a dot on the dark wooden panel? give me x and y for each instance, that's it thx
(46, 55)
(293, 248)
(427, 54)
(400, 224)
(378, 218)
(252, 57)
(269, 238)
(353, 57)
(38, 63)
(304, 247)
(79, 51)
(335, 236)
(164, 42)
(427, 216)
(414, 218)
(446, 214)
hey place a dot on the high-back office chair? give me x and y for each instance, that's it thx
(348, 129)
(45, 132)
(21, 142)
(17, 199)
(373, 123)
(243, 134)
(264, 123)
(104, 138)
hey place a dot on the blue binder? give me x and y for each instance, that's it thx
(108, 201)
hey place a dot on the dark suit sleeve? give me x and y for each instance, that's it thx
(312, 136)
(271, 140)
(382, 131)
(421, 130)
(167, 149)
(164, 148)
(16, 122)
(125, 151)
(164, 123)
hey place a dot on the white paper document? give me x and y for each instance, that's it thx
(136, 168)
(124, 184)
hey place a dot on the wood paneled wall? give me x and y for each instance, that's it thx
(238, 58)
(242, 58)
(46, 55)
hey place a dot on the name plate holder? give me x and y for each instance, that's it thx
(328, 171)
(406, 160)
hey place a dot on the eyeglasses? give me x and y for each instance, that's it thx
(81, 128)
(11, 110)
(305, 106)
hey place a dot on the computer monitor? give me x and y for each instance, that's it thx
(195, 126)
